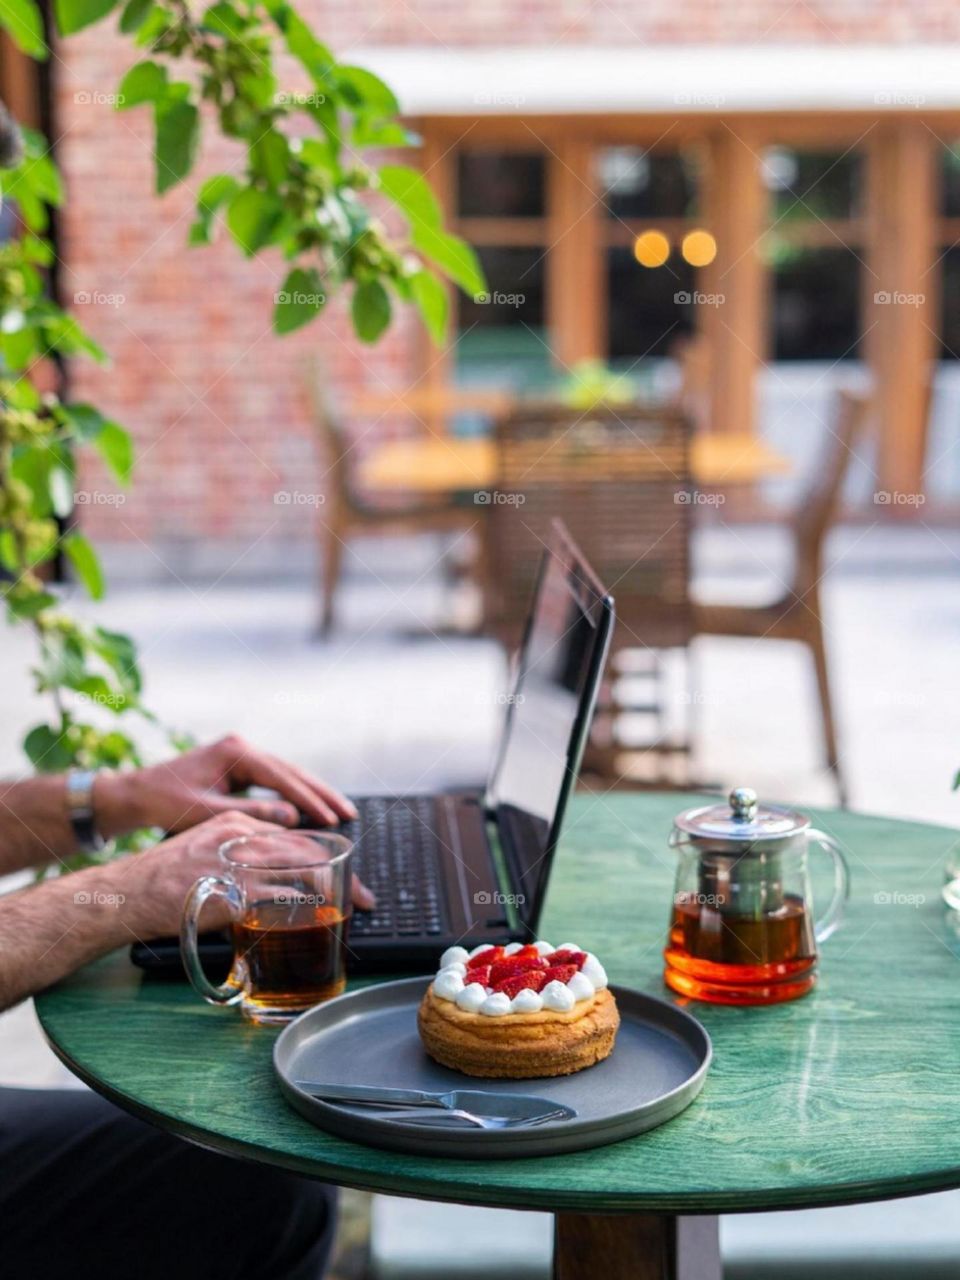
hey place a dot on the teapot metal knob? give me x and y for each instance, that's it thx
(743, 803)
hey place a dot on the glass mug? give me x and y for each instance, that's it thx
(289, 896)
(742, 928)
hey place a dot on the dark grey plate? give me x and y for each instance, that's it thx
(657, 1068)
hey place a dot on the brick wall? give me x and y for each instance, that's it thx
(214, 400)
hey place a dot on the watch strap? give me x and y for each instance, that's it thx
(80, 809)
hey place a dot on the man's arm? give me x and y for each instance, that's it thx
(35, 825)
(50, 929)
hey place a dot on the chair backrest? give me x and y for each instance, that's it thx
(818, 505)
(333, 439)
(620, 479)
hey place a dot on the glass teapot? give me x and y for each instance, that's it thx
(742, 929)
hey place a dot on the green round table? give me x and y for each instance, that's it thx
(849, 1094)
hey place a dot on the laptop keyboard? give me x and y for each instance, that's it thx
(397, 857)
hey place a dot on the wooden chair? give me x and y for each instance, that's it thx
(348, 512)
(620, 479)
(797, 615)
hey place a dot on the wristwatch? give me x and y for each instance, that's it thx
(80, 809)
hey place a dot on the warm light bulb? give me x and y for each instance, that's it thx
(651, 249)
(699, 248)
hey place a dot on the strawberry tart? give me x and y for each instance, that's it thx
(518, 1011)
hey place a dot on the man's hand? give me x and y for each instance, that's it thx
(200, 784)
(156, 883)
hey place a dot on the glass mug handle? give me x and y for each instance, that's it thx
(228, 992)
(830, 921)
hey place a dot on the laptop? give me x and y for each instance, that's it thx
(473, 867)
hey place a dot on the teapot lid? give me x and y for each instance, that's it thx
(742, 818)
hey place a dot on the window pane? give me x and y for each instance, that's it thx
(500, 184)
(503, 340)
(807, 184)
(950, 319)
(650, 308)
(642, 184)
(816, 304)
(950, 180)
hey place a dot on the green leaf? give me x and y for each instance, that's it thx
(178, 134)
(157, 23)
(144, 82)
(430, 296)
(224, 19)
(270, 157)
(30, 605)
(37, 251)
(299, 300)
(111, 441)
(363, 91)
(85, 561)
(410, 192)
(313, 55)
(22, 19)
(120, 653)
(135, 14)
(383, 133)
(48, 749)
(253, 216)
(370, 310)
(215, 192)
(115, 446)
(452, 255)
(74, 15)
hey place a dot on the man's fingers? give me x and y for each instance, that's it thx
(343, 807)
(256, 768)
(278, 812)
(362, 896)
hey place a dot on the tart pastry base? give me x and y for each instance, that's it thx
(519, 1046)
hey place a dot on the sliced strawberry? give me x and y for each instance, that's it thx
(507, 968)
(579, 958)
(487, 956)
(479, 973)
(531, 981)
(526, 953)
(560, 972)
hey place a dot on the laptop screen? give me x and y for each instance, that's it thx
(548, 711)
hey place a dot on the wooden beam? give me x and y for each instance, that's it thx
(735, 207)
(900, 296)
(576, 259)
(19, 78)
(635, 1246)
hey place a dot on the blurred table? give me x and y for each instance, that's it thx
(846, 1095)
(436, 464)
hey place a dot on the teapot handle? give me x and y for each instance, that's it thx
(830, 921)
